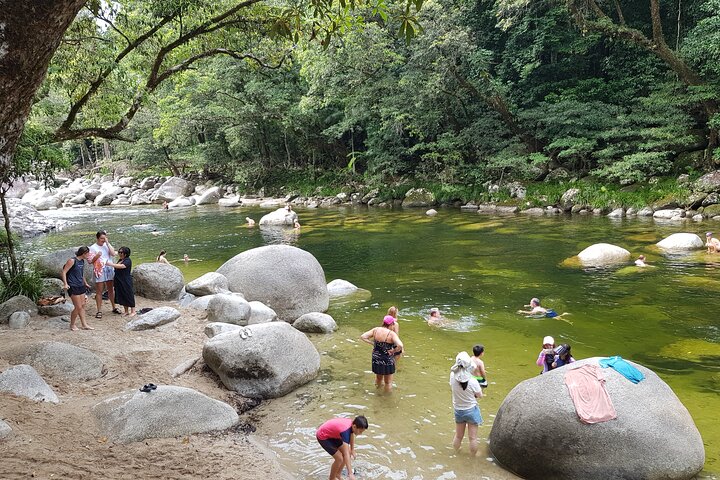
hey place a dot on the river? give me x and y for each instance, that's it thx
(478, 270)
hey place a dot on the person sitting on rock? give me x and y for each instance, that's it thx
(712, 243)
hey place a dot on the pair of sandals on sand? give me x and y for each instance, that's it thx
(148, 388)
(245, 333)
(114, 310)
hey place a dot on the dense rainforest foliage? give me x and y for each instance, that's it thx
(474, 90)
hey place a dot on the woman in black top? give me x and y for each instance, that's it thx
(124, 293)
(76, 285)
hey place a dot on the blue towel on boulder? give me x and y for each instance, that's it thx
(623, 368)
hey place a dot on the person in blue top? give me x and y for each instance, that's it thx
(562, 356)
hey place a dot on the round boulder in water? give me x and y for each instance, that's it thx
(287, 279)
(538, 435)
(681, 241)
(603, 254)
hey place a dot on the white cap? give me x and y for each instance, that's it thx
(548, 340)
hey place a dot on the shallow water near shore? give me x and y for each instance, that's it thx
(478, 270)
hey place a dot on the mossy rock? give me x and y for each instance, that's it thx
(711, 210)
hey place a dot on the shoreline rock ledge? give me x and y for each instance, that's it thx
(537, 433)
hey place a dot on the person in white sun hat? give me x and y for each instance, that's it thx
(465, 392)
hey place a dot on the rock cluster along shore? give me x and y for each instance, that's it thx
(26, 198)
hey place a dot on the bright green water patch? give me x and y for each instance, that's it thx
(479, 272)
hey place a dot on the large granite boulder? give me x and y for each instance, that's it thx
(158, 281)
(287, 279)
(51, 264)
(603, 254)
(181, 202)
(315, 322)
(681, 241)
(52, 287)
(538, 435)
(173, 188)
(273, 361)
(210, 196)
(152, 319)
(18, 303)
(710, 182)
(229, 309)
(418, 197)
(165, 412)
(24, 381)
(61, 361)
(281, 216)
(208, 284)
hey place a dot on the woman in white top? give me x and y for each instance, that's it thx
(465, 392)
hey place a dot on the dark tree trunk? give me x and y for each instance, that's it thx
(30, 32)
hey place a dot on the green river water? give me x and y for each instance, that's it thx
(478, 270)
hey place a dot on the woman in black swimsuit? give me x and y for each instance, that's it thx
(385, 344)
(76, 285)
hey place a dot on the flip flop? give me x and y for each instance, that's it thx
(243, 334)
(146, 389)
(248, 332)
(116, 310)
(98, 315)
(151, 386)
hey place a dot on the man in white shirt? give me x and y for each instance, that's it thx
(101, 252)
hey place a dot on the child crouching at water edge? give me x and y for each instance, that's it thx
(337, 437)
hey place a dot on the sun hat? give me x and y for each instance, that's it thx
(534, 300)
(388, 320)
(562, 349)
(708, 234)
(462, 370)
(548, 340)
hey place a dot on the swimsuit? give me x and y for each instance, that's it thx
(383, 362)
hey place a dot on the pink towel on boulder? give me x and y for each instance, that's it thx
(586, 385)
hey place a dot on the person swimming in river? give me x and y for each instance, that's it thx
(435, 319)
(537, 311)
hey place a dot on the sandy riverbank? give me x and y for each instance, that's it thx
(62, 441)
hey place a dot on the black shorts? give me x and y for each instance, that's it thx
(77, 290)
(330, 445)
